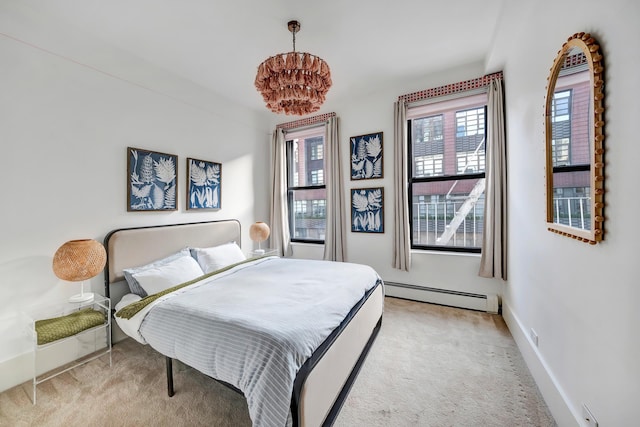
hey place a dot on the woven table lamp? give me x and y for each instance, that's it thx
(77, 261)
(259, 232)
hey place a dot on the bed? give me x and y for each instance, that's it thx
(334, 328)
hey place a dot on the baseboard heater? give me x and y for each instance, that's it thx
(480, 302)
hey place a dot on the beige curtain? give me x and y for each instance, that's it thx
(401, 236)
(335, 238)
(279, 220)
(493, 262)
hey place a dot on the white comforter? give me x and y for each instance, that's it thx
(255, 325)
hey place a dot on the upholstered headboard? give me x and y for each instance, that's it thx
(132, 247)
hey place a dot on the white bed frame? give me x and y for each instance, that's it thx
(323, 382)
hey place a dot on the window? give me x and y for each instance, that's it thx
(300, 208)
(428, 145)
(306, 190)
(470, 161)
(317, 177)
(318, 208)
(470, 122)
(317, 150)
(561, 128)
(428, 165)
(447, 173)
(430, 128)
(560, 105)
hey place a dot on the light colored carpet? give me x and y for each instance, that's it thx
(441, 366)
(430, 366)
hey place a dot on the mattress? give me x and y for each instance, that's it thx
(256, 325)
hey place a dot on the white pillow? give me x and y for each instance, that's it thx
(134, 286)
(176, 272)
(217, 257)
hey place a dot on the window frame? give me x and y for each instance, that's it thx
(291, 158)
(412, 180)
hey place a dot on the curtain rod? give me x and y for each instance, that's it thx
(441, 98)
(301, 128)
(450, 89)
(297, 124)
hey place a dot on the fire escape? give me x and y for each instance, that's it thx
(469, 203)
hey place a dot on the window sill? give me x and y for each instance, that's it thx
(446, 253)
(310, 244)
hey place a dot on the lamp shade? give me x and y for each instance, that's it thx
(259, 231)
(79, 260)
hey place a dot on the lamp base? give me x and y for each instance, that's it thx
(258, 251)
(82, 297)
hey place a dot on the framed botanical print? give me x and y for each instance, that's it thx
(205, 180)
(151, 180)
(367, 210)
(366, 156)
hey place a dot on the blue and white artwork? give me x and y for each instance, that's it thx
(367, 210)
(152, 181)
(205, 179)
(366, 156)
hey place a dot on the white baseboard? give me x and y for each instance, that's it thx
(488, 303)
(553, 395)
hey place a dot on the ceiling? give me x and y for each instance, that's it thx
(218, 44)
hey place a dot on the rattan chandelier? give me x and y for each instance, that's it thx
(294, 82)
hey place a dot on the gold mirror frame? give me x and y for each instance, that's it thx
(594, 60)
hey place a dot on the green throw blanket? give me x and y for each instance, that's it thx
(56, 328)
(132, 309)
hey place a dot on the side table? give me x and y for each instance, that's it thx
(86, 325)
(262, 252)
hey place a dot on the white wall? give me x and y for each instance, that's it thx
(374, 113)
(581, 300)
(65, 129)
(66, 121)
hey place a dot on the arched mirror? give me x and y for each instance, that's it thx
(574, 131)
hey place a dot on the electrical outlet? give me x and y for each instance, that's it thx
(534, 336)
(588, 417)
